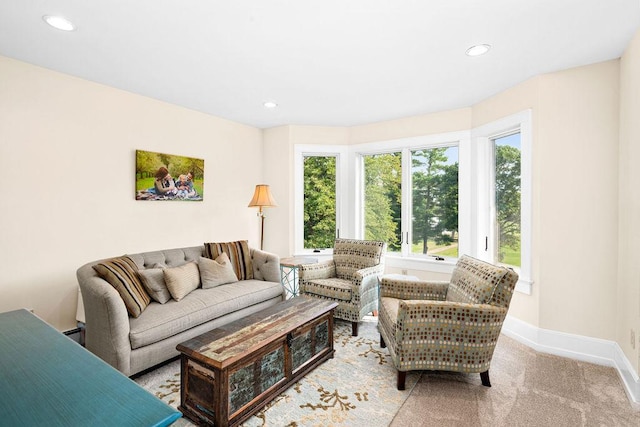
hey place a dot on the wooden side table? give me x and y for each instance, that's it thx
(289, 273)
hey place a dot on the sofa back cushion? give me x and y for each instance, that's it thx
(122, 274)
(238, 253)
(351, 255)
(474, 281)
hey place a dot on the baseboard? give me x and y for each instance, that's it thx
(578, 347)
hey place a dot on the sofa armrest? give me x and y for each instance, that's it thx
(266, 265)
(107, 321)
(407, 289)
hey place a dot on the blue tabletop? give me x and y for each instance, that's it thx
(46, 379)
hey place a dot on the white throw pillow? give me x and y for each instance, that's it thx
(182, 280)
(216, 272)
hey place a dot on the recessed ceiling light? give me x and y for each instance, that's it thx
(59, 22)
(479, 49)
(270, 104)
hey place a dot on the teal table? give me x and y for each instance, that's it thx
(289, 273)
(46, 379)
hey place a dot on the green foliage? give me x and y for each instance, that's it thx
(319, 202)
(435, 197)
(508, 202)
(382, 192)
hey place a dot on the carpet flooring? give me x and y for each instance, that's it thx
(528, 389)
(357, 388)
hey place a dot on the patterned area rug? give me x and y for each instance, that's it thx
(355, 388)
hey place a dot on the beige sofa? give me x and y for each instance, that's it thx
(133, 344)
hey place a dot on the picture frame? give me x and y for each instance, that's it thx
(168, 177)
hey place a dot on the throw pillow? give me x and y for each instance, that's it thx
(153, 281)
(238, 253)
(216, 272)
(122, 274)
(182, 280)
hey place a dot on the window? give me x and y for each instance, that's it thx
(319, 201)
(507, 200)
(383, 199)
(319, 196)
(434, 195)
(407, 194)
(431, 198)
(502, 208)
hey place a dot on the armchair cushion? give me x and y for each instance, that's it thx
(351, 255)
(474, 281)
(334, 288)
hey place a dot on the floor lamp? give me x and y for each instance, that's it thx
(262, 198)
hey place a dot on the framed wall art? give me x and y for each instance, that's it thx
(162, 177)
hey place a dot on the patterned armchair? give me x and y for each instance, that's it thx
(444, 326)
(350, 278)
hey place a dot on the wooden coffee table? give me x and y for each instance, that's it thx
(231, 372)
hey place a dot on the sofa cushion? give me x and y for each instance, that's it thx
(122, 274)
(216, 272)
(182, 280)
(153, 281)
(200, 306)
(474, 281)
(238, 253)
(334, 288)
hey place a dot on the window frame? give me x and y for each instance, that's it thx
(404, 258)
(484, 213)
(475, 170)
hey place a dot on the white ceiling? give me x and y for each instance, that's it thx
(325, 62)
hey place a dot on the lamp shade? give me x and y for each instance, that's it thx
(262, 197)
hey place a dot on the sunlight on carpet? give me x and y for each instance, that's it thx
(355, 388)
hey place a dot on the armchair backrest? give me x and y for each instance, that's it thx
(477, 282)
(351, 255)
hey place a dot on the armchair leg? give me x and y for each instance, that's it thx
(354, 329)
(402, 376)
(484, 376)
(382, 343)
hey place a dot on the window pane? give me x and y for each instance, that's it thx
(382, 198)
(507, 195)
(319, 202)
(434, 226)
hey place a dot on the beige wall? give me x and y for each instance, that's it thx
(628, 292)
(67, 155)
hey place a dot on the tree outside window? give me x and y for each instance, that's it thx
(507, 199)
(434, 174)
(319, 201)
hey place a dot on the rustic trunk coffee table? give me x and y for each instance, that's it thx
(231, 372)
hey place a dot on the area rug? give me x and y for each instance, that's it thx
(355, 388)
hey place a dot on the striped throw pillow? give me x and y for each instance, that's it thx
(122, 274)
(238, 253)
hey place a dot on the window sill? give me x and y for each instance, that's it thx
(446, 266)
